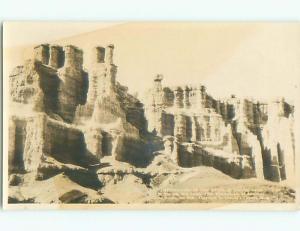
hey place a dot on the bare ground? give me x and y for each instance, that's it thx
(160, 182)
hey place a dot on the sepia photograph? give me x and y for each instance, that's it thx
(144, 115)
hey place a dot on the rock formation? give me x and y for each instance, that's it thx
(66, 119)
(72, 115)
(237, 136)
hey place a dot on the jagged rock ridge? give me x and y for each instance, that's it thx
(241, 137)
(66, 119)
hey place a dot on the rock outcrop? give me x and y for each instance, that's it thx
(241, 137)
(65, 120)
(73, 115)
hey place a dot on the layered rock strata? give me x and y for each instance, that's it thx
(73, 116)
(241, 137)
(67, 118)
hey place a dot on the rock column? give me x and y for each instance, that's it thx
(41, 53)
(178, 92)
(34, 149)
(56, 56)
(99, 54)
(180, 128)
(12, 145)
(194, 129)
(109, 54)
(70, 90)
(186, 97)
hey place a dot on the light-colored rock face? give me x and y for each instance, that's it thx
(93, 139)
(25, 85)
(243, 129)
(41, 53)
(76, 117)
(86, 125)
(54, 82)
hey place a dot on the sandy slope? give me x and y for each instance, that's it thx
(161, 182)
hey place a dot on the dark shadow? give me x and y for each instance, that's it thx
(86, 179)
(281, 162)
(139, 152)
(61, 58)
(17, 160)
(49, 84)
(106, 144)
(85, 88)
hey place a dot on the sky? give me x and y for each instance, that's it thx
(28, 33)
(259, 60)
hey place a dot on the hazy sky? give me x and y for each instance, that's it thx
(246, 59)
(28, 33)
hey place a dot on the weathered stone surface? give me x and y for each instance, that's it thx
(67, 121)
(244, 129)
(14, 180)
(72, 119)
(93, 138)
(73, 196)
(26, 86)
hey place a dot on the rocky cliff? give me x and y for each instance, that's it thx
(241, 137)
(73, 115)
(82, 123)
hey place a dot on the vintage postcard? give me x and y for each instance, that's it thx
(151, 115)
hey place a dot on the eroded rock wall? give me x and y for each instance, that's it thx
(244, 128)
(38, 136)
(77, 116)
(73, 116)
(53, 82)
(72, 89)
